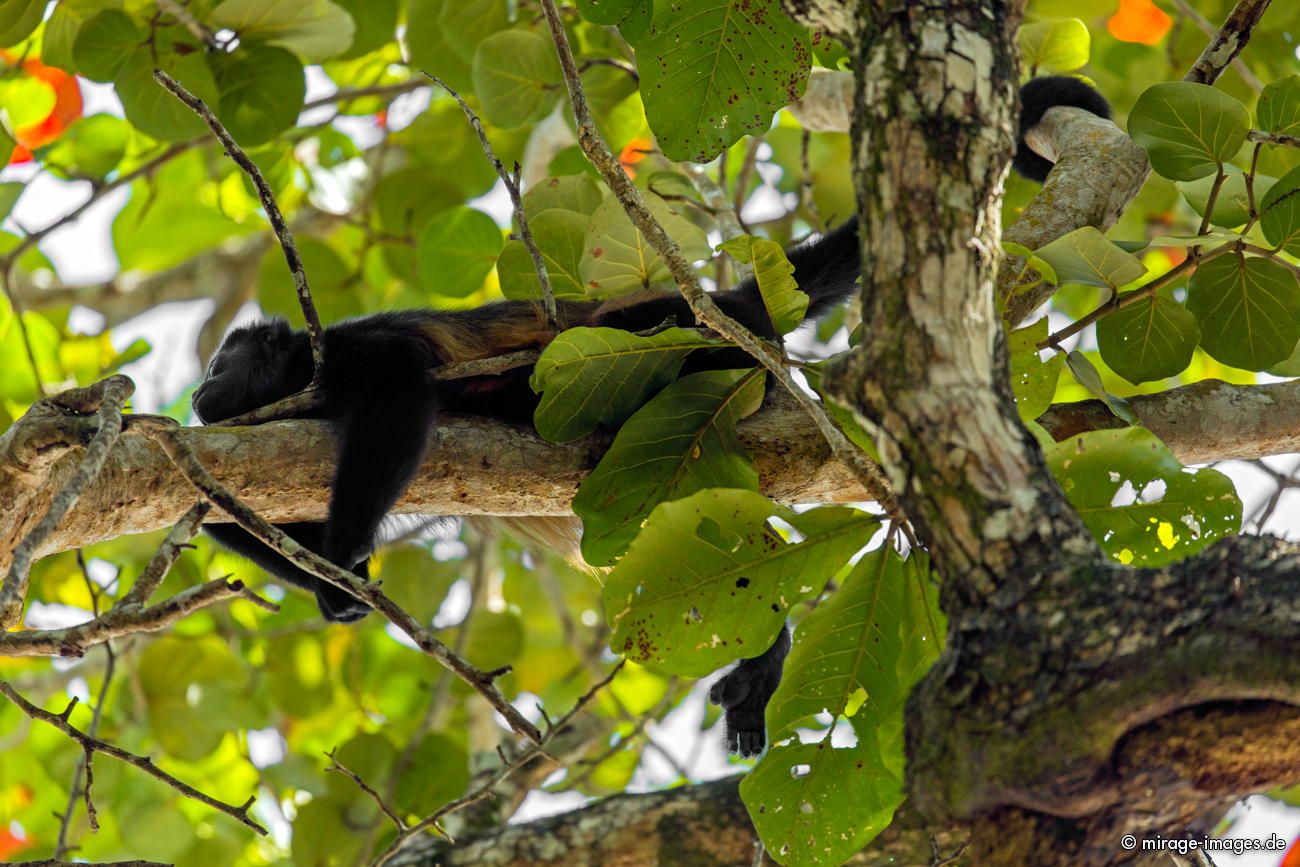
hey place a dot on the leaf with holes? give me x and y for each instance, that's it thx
(1188, 130)
(814, 805)
(1150, 339)
(599, 376)
(1143, 506)
(852, 648)
(1248, 309)
(1033, 380)
(617, 259)
(1280, 212)
(709, 579)
(1085, 256)
(786, 305)
(1278, 109)
(713, 71)
(684, 440)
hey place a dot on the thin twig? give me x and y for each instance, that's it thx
(197, 28)
(1260, 137)
(273, 214)
(339, 767)
(144, 763)
(194, 471)
(163, 559)
(111, 394)
(74, 641)
(536, 750)
(511, 181)
(704, 308)
(84, 763)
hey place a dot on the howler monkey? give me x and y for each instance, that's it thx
(376, 387)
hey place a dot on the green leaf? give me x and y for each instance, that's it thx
(1138, 500)
(709, 579)
(846, 650)
(1085, 256)
(814, 805)
(618, 259)
(185, 683)
(1280, 212)
(18, 18)
(1062, 45)
(148, 105)
(1232, 207)
(104, 42)
(298, 675)
(62, 26)
(323, 835)
(786, 305)
(93, 146)
(25, 101)
(1188, 130)
(1209, 239)
(315, 30)
(428, 47)
(600, 376)
(714, 71)
(1033, 380)
(262, 91)
(10, 192)
(438, 772)
(684, 440)
(375, 21)
(559, 235)
(517, 77)
(466, 24)
(1248, 310)
(1151, 339)
(631, 17)
(578, 193)
(457, 250)
(1086, 375)
(1278, 109)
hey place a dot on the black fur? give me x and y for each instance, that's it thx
(1036, 97)
(377, 389)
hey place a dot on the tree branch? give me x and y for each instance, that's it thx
(144, 763)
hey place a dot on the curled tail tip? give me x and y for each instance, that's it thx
(1037, 96)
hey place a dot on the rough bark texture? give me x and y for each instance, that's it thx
(283, 471)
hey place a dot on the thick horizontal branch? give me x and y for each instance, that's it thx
(283, 471)
(707, 820)
(1202, 422)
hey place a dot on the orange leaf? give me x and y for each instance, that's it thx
(10, 844)
(67, 107)
(1292, 856)
(1139, 21)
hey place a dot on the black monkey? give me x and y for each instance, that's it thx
(376, 387)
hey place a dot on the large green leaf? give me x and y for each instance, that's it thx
(1232, 206)
(376, 24)
(1248, 309)
(93, 146)
(814, 805)
(617, 258)
(316, 30)
(578, 193)
(428, 47)
(600, 376)
(1138, 500)
(786, 305)
(62, 26)
(559, 235)
(709, 579)
(631, 17)
(1085, 256)
(517, 77)
(149, 107)
(1057, 46)
(18, 18)
(682, 441)
(1033, 380)
(104, 42)
(185, 683)
(457, 250)
(262, 91)
(1280, 212)
(1151, 339)
(1188, 130)
(466, 23)
(1278, 109)
(713, 71)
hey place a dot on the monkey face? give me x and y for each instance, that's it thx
(256, 365)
